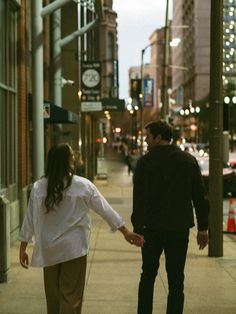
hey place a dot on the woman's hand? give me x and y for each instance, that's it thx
(132, 237)
(23, 256)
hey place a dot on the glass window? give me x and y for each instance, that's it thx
(2, 40)
(3, 139)
(8, 104)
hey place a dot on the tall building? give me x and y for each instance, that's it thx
(191, 58)
(153, 70)
(229, 67)
(61, 117)
(191, 65)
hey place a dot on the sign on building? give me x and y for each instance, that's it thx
(148, 92)
(91, 85)
(115, 87)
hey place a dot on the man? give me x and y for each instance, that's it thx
(167, 185)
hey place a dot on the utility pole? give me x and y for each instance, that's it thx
(164, 95)
(142, 99)
(216, 131)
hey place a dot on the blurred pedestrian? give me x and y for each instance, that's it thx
(167, 185)
(58, 218)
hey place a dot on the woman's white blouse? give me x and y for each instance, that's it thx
(63, 234)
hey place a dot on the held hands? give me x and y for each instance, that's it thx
(131, 237)
(202, 239)
(134, 238)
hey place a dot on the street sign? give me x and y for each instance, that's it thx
(91, 106)
(113, 104)
(91, 81)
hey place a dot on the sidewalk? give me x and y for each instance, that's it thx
(114, 268)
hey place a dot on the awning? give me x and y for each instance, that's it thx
(54, 114)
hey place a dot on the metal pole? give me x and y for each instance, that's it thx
(142, 101)
(165, 104)
(37, 90)
(57, 57)
(78, 33)
(51, 7)
(216, 131)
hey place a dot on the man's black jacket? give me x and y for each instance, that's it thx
(167, 184)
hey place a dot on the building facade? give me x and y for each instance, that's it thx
(153, 70)
(62, 121)
(229, 69)
(191, 65)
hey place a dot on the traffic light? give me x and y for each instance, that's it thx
(135, 89)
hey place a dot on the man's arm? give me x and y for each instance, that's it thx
(201, 205)
(140, 196)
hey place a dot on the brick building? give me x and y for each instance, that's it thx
(62, 121)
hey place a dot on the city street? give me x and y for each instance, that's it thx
(114, 267)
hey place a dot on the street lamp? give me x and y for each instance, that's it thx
(132, 107)
(164, 94)
(142, 93)
(228, 118)
(190, 114)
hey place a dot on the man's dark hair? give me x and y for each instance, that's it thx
(161, 128)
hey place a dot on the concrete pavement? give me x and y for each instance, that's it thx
(114, 268)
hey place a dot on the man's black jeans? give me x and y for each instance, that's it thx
(175, 246)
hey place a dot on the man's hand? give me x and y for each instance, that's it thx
(23, 256)
(132, 237)
(202, 239)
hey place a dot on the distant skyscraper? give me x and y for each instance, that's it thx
(191, 23)
(229, 46)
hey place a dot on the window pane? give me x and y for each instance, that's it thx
(8, 79)
(3, 139)
(12, 140)
(2, 41)
(12, 48)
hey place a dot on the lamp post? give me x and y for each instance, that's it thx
(188, 113)
(164, 94)
(216, 127)
(141, 97)
(133, 107)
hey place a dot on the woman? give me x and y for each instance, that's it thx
(58, 218)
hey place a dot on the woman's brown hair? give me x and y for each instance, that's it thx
(59, 171)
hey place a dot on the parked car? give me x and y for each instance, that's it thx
(229, 177)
